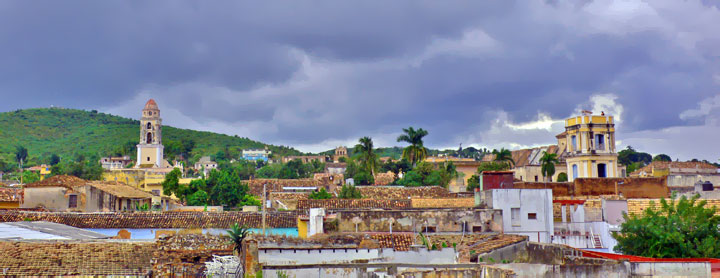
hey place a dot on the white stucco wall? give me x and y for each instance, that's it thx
(538, 201)
(326, 256)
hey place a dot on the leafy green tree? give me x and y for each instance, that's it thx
(629, 156)
(413, 179)
(416, 152)
(547, 165)
(171, 184)
(250, 200)
(562, 177)
(634, 166)
(682, 228)
(367, 159)
(351, 168)
(493, 166)
(319, 195)
(54, 159)
(363, 178)
(199, 198)
(30, 176)
(238, 233)
(662, 157)
(473, 182)
(349, 192)
(504, 155)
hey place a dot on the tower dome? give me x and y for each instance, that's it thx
(151, 105)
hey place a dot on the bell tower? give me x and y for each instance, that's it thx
(150, 149)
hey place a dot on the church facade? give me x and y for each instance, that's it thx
(150, 148)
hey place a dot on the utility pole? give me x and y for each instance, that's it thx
(263, 209)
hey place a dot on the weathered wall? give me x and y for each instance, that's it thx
(415, 220)
(353, 204)
(52, 198)
(691, 179)
(628, 187)
(674, 269)
(526, 202)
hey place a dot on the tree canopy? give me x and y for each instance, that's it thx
(416, 152)
(547, 165)
(504, 155)
(678, 228)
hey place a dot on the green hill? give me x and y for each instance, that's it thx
(69, 132)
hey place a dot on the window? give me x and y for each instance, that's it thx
(536, 178)
(600, 141)
(149, 138)
(573, 141)
(477, 229)
(532, 216)
(575, 171)
(148, 158)
(515, 216)
(149, 126)
(601, 170)
(428, 229)
(72, 201)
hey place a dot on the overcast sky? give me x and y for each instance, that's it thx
(317, 74)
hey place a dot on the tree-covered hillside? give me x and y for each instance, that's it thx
(71, 132)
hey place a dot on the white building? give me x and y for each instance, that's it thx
(527, 212)
(206, 165)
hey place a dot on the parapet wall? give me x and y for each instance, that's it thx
(421, 220)
(632, 187)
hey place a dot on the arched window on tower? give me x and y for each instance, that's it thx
(149, 126)
(148, 138)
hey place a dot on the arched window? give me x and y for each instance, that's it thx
(149, 126)
(148, 138)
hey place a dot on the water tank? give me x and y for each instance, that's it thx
(707, 186)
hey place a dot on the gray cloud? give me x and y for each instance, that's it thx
(307, 72)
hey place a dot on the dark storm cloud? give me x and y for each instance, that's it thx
(302, 72)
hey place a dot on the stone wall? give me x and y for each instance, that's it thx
(628, 187)
(417, 220)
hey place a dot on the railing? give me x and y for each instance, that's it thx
(573, 229)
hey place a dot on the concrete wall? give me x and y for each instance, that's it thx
(327, 256)
(674, 269)
(613, 210)
(558, 188)
(415, 220)
(691, 179)
(527, 201)
(52, 198)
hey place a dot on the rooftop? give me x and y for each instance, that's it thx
(674, 164)
(401, 192)
(151, 105)
(353, 203)
(10, 194)
(53, 258)
(44, 230)
(121, 190)
(169, 219)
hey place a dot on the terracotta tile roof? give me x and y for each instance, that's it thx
(384, 178)
(52, 258)
(637, 206)
(353, 204)
(185, 255)
(8, 194)
(121, 190)
(59, 180)
(443, 202)
(398, 241)
(473, 244)
(138, 220)
(400, 192)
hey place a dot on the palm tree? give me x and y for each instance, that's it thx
(504, 155)
(21, 154)
(547, 165)
(367, 157)
(238, 234)
(416, 152)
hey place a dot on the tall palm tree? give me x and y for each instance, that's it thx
(416, 152)
(21, 154)
(368, 158)
(504, 155)
(547, 165)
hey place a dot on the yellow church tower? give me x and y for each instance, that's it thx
(150, 149)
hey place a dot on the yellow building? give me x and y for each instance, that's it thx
(590, 146)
